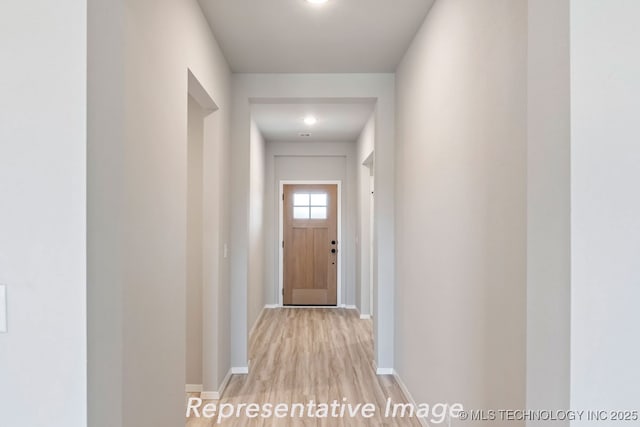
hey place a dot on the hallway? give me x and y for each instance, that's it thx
(299, 355)
(457, 177)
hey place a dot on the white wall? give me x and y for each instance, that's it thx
(320, 161)
(461, 206)
(195, 155)
(605, 209)
(364, 148)
(43, 216)
(140, 296)
(253, 88)
(105, 127)
(255, 266)
(548, 208)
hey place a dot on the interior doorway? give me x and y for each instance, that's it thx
(367, 218)
(371, 240)
(194, 244)
(203, 206)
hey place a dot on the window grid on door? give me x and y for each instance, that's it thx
(310, 205)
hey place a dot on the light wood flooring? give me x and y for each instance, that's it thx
(298, 355)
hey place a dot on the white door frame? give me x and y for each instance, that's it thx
(372, 231)
(369, 252)
(281, 236)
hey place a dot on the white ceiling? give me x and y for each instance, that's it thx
(337, 122)
(293, 36)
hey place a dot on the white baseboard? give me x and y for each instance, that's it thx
(407, 395)
(384, 371)
(242, 370)
(215, 395)
(317, 307)
(210, 395)
(193, 388)
(355, 307)
(270, 306)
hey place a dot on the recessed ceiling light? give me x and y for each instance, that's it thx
(317, 1)
(310, 120)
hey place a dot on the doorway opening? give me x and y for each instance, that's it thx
(194, 258)
(202, 236)
(368, 224)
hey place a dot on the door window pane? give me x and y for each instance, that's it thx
(319, 212)
(300, 199)
(301, 212)
(319, 199)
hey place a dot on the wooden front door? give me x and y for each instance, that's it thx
(310, 244)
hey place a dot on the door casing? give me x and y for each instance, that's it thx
(281, 239)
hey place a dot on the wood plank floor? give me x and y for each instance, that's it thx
(298, 355)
